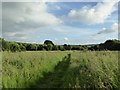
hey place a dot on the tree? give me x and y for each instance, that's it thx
(14, 47)
(31, 47)
(61, 48)
(40, 47)
(47, 42)
(5, 45)
(67, 47)
(55, 47)
(48, 47)
(75, 48)
(22, 47)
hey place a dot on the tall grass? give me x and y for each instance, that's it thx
(23, 69)
(87, 69)
(98, 69)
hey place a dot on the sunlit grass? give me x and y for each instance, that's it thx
(97, 69)
(22, 69)
(87, 69)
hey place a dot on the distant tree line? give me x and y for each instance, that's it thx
(107, 45)
(50, 46)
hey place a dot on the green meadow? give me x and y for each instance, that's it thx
(60, 69)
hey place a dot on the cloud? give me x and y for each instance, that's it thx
(114, 28)
(93, 15)
(15, 35)
(35, 22)
(66, 39)
(29, 14)
(25, 18)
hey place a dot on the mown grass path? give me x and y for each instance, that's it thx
(54, 79)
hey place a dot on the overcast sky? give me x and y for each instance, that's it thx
(61, 22)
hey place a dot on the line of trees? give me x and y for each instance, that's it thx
(107, 45)
(49, 46)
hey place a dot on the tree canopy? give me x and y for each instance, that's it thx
(49, 46)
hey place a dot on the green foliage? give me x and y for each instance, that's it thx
(48, 42)
(112, 45)
(5, 45)
(107, 45)
(55, 47)
(22, 47)
(32, 47)
(14, 47)
(76, 47)
(67, 47)
(61, 48)
(40, 47)
(49, 46)
(83, 47)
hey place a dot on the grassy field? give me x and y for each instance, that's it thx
(68, 69)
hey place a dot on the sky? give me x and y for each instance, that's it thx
(61, 22)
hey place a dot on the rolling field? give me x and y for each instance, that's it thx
(60, 69)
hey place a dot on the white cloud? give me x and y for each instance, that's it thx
(93, 15)
(11, 34)
(15, 35)
(29, 13)
(114, 28)
(66, 39)
(25, 17)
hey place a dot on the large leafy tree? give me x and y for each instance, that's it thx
(14, 47)
(48, 45)
(47, 42)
